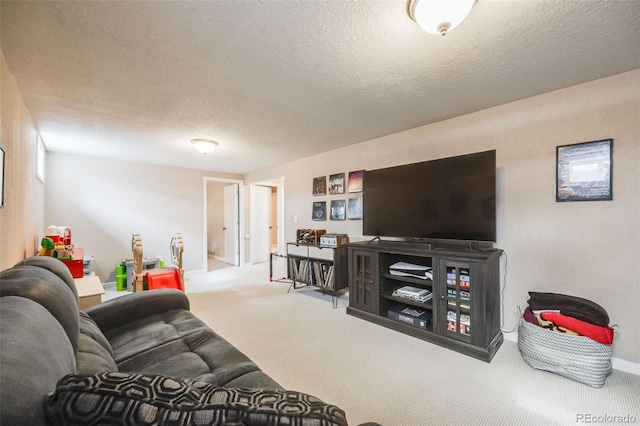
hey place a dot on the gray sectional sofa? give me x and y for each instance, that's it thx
(143, 358)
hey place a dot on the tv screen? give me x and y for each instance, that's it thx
(449, 198)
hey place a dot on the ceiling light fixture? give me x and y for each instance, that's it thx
(439, 16)
(204, 146)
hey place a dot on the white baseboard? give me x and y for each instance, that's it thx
(616, 363)
(512, 336)
(626, 366)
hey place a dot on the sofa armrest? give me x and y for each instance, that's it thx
(122, 310)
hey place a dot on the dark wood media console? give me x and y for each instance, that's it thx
(465, 287)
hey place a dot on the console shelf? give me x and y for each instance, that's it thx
(318, 266)
(399, 300)
(465, 304)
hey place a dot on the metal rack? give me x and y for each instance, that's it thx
(338, 261)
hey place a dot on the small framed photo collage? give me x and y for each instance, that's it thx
(338, 184)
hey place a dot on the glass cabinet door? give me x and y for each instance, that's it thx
(459, 293)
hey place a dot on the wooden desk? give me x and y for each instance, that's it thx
(90, 290)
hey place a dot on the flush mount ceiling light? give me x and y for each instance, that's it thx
(439, 16)
(204, 146)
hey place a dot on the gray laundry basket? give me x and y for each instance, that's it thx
(575, 357)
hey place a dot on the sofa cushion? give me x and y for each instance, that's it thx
(95, 354)
(121, 398)
(178, 343)
(48, 290)
(89, 328)
(53, 265)
(147, 333)
(36, 353)
(122, 311)
(202, 356)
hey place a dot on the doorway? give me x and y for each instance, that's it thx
(223, 207)
(266, 220)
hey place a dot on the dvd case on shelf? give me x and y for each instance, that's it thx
(463, 326)
(413, 293)
(417, 317)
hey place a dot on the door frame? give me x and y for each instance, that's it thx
(205, 180)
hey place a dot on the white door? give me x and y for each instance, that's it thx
(231, 235)
(260, 223)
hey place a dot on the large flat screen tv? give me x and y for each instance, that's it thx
(450, 198)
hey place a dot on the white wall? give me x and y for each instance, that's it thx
(105, 201)
(587, 249)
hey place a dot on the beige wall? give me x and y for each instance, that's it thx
(587, 249)
(105, 201)
(22, 217)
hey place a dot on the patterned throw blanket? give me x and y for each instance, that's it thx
(119, 398)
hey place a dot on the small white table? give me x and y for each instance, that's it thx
(90, 290)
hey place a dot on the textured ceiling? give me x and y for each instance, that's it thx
(275, 81)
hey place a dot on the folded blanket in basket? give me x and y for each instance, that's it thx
(600, 334)
(536, 319)
(572, 306)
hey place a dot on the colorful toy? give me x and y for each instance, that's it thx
(63, 252)
(47, 245)
(57, 243)
(168, 277)
(59, 233)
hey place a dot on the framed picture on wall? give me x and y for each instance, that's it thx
(584, 171)
(336, 183)
(338, 210)
(320, 185)
(354, 210)
(319, 210)
(355, 181)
